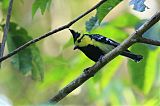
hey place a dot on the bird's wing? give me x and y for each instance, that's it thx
(105, 40)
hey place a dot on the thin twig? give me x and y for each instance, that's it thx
(149, 41)
(106, 59)
(149, 23)
(6, 28)
(51, 32)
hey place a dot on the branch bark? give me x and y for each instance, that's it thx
(106, 59)
(148, 41)
(51, 32)
(6, 28)
(97, 66)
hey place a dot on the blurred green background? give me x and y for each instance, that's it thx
(122, 82)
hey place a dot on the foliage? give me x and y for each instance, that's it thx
(102, 11)
(138, 70)
(40, 4)
(27, 60)
(91, 23)
(105, 8)
(5, 3)
(121, 82)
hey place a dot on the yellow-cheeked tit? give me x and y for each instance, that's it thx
(95, 46)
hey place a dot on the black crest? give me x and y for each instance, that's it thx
(75, 34)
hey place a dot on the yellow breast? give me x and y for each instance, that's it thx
(86, 40)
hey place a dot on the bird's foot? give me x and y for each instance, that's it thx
(88, 73)
(86, 70)
(101, 58)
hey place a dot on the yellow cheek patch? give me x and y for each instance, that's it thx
(86, 40)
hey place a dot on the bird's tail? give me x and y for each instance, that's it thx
(136, 58)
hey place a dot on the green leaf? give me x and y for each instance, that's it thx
(97, 77)
(152, 102)
(105, 8)
(56, 72)
(137, 70)
(150, 70)
(91, 87)
(42, 4)
(37, 63)
(124, 20)
(5, 4)
(158, 70)
(109, 71)
(111, 32)
(91, 23)
(28, 59)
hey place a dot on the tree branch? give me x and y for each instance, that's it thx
(148, 41)
(106, 59)
(6, 28)
(97, 66)
(51, 32)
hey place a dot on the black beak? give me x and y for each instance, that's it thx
(75, 47)
(72, 31)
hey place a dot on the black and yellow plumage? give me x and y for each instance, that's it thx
(95, 46)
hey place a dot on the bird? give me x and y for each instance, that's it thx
(95, 46)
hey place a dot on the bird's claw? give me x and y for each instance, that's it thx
(88, 73)
(86, 70)
(101, 58)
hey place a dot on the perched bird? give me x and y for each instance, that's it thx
(95, 46)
